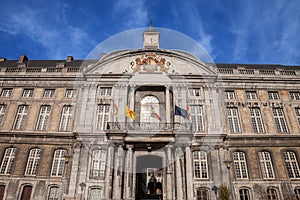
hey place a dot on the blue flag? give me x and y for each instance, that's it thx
(181, 112)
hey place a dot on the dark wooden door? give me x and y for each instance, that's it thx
(2, 190)
(26, 192)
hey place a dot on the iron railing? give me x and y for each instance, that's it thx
(148, 126)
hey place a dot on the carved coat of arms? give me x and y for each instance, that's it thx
(150, 62)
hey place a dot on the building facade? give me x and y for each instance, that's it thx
(148, 124)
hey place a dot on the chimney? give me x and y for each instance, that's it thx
(23, 58)
(70, 58)
(102, 55)
(2, 59)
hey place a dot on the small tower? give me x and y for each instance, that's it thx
(151, 38)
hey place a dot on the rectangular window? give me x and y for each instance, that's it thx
(71, 93)
(272, 194)
(266, 165)
(200, 164)
(8, 161)
(280, 121)
(6, 92)
(273, 95)
(229, 94)
(256, 120)
(95, 194)
(21, 117)
(244, 194)
(103, 116)
(28, 93)
(240, 165)
(43, 119)
(48, 93)
(297, 112)
(251, 95)
(196, 112)
(295, 95)
(194, 92)
(54, 193)
(58, 164)
(66, 118)
(105, 91)
(33, 162)
(3, 108)
(233, 120)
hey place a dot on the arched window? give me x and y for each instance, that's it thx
(240, 165)
(33, 162)
(200, 164)
(149, 106)
(98, 163)
(54, 193)
(291, 164)
(95, 194)
(26, 192)
(8, 161)
(266, 165)
(272, 194)
(244, 194)
(202, 194)
(58, 164)
(2, 191)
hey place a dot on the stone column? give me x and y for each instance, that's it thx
(118, 171)
(108, 171)
(74, 170)
(128, 182)
(179, 188)
(169, 173)
(168, 105)
(189, 173)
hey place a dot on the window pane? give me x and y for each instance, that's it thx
(200, 165)
(240, 165)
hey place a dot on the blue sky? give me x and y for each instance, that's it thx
(231, 31)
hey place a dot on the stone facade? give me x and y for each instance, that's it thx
(65, 134)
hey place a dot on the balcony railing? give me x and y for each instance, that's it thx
(148, 126)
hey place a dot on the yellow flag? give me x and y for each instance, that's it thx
(130, 113)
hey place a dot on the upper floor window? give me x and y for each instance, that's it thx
(95, 193)
(244, 194)
(273, 95)
(48, 93)
(8, 161)
(272, 194)
(71, 93)
(98, 163)
(66, 118)
(202, 194)
(251, 95)
(229, 94)
(256, 120)
(149, 110)
(266, 165)
(195, 92)
(54, 193)
(27, 93)
(233, 120)
(279, 118)
(20, 118)
(33, 162)
(3, 108)
(295, 95)
(240, 165)
(105, 91)
(103, 116)
(291, 164)
(58, 164)
(196, 112)
(297, 111)
(43, 118)
(6, 92)
(200, 164)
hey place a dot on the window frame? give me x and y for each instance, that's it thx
(251, 95)
(229, 95)
(234, 123)
(71, 93)
(43, 119)
(95, 188)
(57, 195)
(294, 95)
(58, 163)
(280, 120)
(201, 190)
(266, 165)
(3, 109)
(66, 119)
(98, 163)
(6, 92)
(242, 194)
(32, 168)
(105, 91)
(103, 116)
(197, 118)
(239, 165)
(8, 161)
(28, 93)
(273, 95)
(49, 93)
(291, 164)
(21, 117)
(273, 191)
(256, 120)
(200, 165)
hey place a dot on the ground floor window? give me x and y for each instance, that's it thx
(95, 194)
(202, 194)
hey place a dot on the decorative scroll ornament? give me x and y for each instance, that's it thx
(150, 62)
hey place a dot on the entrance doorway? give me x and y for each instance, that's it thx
(149, 177)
